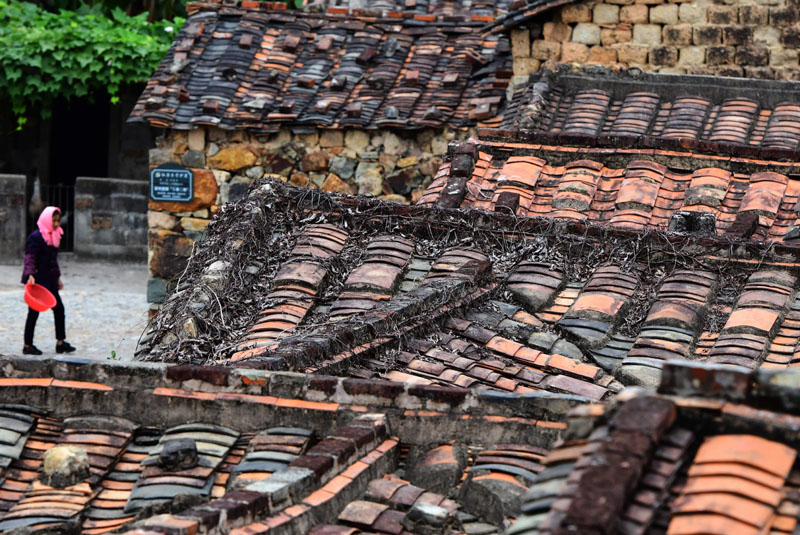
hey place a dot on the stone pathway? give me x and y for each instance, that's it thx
(106, 309)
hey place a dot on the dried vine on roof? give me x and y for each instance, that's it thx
(206, 317)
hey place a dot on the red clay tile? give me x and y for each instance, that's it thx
(529, 356)
(734, 485)
(318, 497)
(43, 382)
(383, 489)
(174, 526)
(752, 320)
(440, 455)
(712, 524)
(784, 523)
(361, 513)
(389, 522)
(742, 471)
(256, 528)
(172, 392)
(605, 305)
(296, 510)
(564, 364)
(337, 484)
(736, 507)
(407, 495)
(499, 476)
(328, 529)
(307, 405)
(388, 445)
(355, 469)
(562, 383)
(503, 345)
(277, 520)
(772, 457)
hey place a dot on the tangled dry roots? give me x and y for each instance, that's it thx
(228, 278)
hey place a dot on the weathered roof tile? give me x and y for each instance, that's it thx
(308, 69)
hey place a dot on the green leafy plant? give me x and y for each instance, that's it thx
(45, 56)
(113, 356)
(156, 9)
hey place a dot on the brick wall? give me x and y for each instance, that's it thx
(735, 38)
(392, 166)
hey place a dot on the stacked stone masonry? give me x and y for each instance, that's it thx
(740, 38)
(389, 165)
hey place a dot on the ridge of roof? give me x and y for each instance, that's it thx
(221, 450)
(398, 14)
(522, 11)
(669, 452)
(602, 107)
(630, 189)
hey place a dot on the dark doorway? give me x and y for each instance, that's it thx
(78, 147)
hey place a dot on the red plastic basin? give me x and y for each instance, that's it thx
(38, 297)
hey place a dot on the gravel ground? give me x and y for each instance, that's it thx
(105, 303)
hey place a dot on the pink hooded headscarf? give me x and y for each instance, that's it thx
(45, 224)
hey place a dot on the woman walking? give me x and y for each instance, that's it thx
(41, 267)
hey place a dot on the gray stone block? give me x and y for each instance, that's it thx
(299, 481)
(156, 291)
(193, 159)
(342, 167)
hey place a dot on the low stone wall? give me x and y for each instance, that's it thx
(740, 38)
(12, 215)
(111, 218)
(392, 166)
(252, 397)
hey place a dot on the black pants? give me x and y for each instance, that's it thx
(58, 316)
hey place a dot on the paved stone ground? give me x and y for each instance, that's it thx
(105, 303)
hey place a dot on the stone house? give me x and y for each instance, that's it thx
(357, 101)
(740, 38)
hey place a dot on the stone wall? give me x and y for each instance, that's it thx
(168, 395)
(754, 39)
(111, 218)
(12, 215)
(385, 164)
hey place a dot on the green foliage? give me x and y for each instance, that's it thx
(157, 9)
(45, 56)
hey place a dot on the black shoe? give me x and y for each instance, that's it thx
(64, 347)
(31, 350)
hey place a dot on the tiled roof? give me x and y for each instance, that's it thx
(319, 297)
(662, 471)
(637, 189)
(249, 68)
(714, 451)
(477, 350)
(254, 455)
(533, 312)
(598, 107)
(408, 8)
(522, 11)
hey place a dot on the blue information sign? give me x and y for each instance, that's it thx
(171, 182)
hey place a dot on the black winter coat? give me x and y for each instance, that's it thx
(41, 261)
